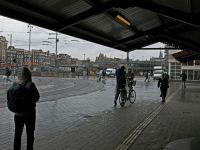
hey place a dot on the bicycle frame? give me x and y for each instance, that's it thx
(130, 95)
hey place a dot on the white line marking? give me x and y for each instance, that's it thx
(140, 128)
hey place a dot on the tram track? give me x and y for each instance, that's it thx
(58, 90)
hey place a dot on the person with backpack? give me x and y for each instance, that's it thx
(21, 100)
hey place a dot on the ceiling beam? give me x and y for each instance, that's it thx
(168, 12)
(156, 48)
(140, 45)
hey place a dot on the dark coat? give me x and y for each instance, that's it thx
(163, 84)
(121, 78)
(184, 76)
(33, 97)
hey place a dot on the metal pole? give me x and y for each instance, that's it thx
(29, 46)
(56, 48)
(127, 59)
(84, 56)
(56, 38)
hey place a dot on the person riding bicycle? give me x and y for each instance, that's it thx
(103, 74)
(129, 77)
(120, 82)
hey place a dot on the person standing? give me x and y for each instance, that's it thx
(163, 84)
(120, 82)
(26, 114)
(184, 78)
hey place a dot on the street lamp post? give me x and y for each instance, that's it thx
(127, 59)
(56, 38)
(29, 45)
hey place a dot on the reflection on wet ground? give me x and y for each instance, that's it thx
(79, 114)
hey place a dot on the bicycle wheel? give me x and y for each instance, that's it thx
(121, 99)
(132, 96)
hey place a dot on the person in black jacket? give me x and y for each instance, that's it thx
(121, 82)
(184, 78)
(163, 84)
(26, 117)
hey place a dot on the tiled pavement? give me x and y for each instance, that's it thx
(91, 122)
(177, 125)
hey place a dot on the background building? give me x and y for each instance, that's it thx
(175, 68)
(3, 49)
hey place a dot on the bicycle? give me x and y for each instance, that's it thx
(130, 96)
(101, 79)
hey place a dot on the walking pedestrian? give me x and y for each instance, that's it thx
(99, 74)
(146, 77)
(149, 75)
(184, 78)
(14, 73)
(84, 74)
(7, 74)
(24, 114)
(163, 84)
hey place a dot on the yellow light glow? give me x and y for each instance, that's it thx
(122, 20)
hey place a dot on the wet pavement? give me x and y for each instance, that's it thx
(79, 115)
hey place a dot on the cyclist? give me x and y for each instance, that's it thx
(130, 76)
(104, 74)
(120, 82)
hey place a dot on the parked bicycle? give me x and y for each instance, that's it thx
(127, 96)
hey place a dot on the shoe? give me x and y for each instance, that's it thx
(115, 102)
(163, 100)
(122, 103)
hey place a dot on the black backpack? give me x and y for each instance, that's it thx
(18, 98)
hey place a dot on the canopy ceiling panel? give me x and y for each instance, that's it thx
(122, 24)
(141, 18)
(65, 8)
(100, 24)
(188, 6)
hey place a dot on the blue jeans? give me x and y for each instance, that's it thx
(183, 84)
(8, 79)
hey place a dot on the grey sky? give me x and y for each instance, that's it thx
(67, 44)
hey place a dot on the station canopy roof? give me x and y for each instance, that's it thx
(121, 24)
(186, 56)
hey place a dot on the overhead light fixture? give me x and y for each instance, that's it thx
(122, 20)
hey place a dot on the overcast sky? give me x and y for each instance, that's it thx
(77, 48)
